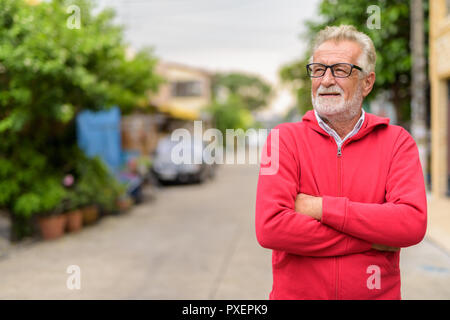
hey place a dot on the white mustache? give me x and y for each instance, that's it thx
(332, 89)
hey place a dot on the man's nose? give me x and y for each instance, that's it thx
(328, 79)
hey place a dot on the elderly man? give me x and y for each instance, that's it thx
(349, 190)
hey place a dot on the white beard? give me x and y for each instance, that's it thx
(338, 108)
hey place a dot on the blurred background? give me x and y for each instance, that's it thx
(90, 92)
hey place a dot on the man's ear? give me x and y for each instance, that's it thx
(368, 83)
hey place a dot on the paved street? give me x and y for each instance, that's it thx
(192, 242)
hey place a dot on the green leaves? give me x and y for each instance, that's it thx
(236, 95)
(51, 194)
(231, 114)
(252, 91)
(295, 74)
(45, 65)
(45, 198)
(96, 185)
(27, 205)
(49, 73)
(15, 121)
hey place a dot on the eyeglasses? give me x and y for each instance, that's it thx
(338, 70)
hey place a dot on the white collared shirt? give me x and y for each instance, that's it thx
(333, 133)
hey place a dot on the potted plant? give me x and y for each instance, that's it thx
(24, 208)
(73, 213)
(45, 199)
(72, 203)
(108, 199)
(90, 214)
(86, 194)
(124, 202)
(90, 187)
(52, 226)
(51, 219)
(99, 186)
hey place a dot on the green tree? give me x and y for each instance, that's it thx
(49, 73)
(295, 76)
(235, 96)
(254, 92)
(231, 114)
(391, 42)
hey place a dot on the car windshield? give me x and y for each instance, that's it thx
(165, 146)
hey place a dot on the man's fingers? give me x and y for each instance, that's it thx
(392, 249)
(381, 247)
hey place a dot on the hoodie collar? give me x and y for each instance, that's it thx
(371, 121)
(334, 134)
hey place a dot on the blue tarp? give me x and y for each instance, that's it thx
(98, 134)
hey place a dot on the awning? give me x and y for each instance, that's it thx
(180, 113)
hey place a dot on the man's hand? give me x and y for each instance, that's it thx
(312, 206)
(382, 247)
(309, 205)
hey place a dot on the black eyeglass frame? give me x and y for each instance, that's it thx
(353, 66)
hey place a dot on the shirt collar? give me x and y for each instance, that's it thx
(333, 133)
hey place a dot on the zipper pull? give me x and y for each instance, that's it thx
(339, 153)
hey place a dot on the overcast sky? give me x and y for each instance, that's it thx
(255, 36)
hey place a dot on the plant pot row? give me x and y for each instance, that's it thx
(54, 226)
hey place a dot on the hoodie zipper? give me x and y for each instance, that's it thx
(339, 173)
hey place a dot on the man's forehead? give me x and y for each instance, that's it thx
(345, 51)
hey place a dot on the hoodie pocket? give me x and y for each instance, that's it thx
(389, 260)
(369, 275)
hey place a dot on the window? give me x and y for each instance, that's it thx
(186, 89)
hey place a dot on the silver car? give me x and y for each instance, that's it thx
(165, 169)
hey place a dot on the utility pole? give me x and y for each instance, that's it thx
(418, 82)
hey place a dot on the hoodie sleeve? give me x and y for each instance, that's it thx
(400, 221)
(278, 226)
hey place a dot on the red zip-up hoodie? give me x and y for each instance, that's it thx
(373, 193)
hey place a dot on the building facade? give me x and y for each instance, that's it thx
(440, 97)
(185, 93)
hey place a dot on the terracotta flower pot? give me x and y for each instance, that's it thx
(74, 220)
(52, 227)
(90, 215)
(124, 204)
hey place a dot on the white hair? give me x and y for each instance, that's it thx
(368, 56)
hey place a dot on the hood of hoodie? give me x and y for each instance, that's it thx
(371, 122)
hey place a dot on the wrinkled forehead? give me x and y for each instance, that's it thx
(331, 52)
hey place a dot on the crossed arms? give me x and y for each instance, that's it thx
(290, 221)
(312, 207)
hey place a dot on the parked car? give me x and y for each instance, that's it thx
(165, 169)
